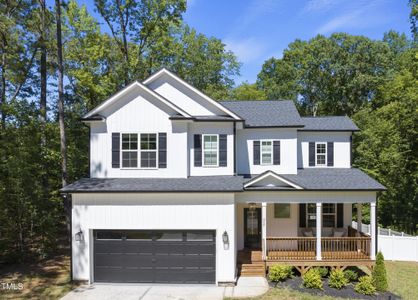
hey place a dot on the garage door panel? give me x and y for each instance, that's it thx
(155, 256)
(143, 247)
(200, 248)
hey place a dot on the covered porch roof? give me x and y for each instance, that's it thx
(313, 179)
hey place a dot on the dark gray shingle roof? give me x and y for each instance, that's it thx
(331, 179)
(191, 184)
(333, 123)
(263, 113)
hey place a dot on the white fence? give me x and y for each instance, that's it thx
(394, 245)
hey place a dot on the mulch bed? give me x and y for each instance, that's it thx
(348, 292)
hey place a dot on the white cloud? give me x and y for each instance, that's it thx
(320, 5)
(247, 50)
(357, 15)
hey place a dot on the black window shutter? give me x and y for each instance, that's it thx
(340, 215)
(115, 149)
(302, 215)
(162, 150)
(276, 152)
(197, 150)
(256, 152)
(223, 150)
(311, 154)
(330, 154)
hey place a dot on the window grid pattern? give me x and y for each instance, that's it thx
(210, 150)
(321, 154)
(266, 152)
(328, 214)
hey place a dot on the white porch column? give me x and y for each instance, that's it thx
(318, 230)
(359, 218)
(264, 230)
(373, 230)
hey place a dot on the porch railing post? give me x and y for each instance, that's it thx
(373, 230)
(264, 230)
(318, 230)
(359, 219)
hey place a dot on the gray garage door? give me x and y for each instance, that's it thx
(158, 256)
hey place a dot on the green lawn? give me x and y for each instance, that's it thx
(402, 279)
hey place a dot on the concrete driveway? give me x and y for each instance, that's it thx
(246, 287)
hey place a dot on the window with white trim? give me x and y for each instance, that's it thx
(329, 214)
(321, 154)
(266, 153)
(210, 150)
(129, 150)
(148, 150)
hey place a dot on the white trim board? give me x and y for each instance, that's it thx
(116, 96)
(276, 176)
(192, 88)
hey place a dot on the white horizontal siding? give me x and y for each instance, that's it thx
(341, 147)
(214, 211)
(288, 150)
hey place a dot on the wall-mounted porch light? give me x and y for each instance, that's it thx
(225, 237)
(252, 205)
(78, 236)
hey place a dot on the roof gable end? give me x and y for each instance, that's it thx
(270, 179)
(164, 72)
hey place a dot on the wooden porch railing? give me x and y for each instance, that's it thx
(304, 248)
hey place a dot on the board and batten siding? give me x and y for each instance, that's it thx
(183, 97)
(137, 112)
(185, 211)
(211, 128)
(341, 142)
(288, 150)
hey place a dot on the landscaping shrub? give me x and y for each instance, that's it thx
(312, 279)
(350, 275)
(337, 279)
(323, 271)
(365, 286)
(379, 273)
(279, 272)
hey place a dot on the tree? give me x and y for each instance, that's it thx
(247, 91)
(379, 274)
(141, 22)
(413, 16)
(336, 75)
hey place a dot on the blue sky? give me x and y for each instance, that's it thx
(256, 30)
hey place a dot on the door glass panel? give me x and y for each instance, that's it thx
(138, 235)
(252, 222)
(109, 235)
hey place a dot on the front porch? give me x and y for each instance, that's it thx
(320, 235)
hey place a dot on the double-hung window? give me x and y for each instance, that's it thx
(129, 150)
(146, 153)
(328, 214)
(266, 152)
(148, 150)
(321, 154)
(210, 150)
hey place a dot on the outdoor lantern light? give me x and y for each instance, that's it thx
(225, 238)
(79, 236)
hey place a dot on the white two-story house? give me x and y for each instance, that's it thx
(185, 189)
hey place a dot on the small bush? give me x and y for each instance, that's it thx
(350, 275)
(337, 279)
(323, 271)
(379, 273)
(312, 279)
(279, 272)
(365, 286)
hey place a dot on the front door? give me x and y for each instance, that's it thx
(252, 228)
